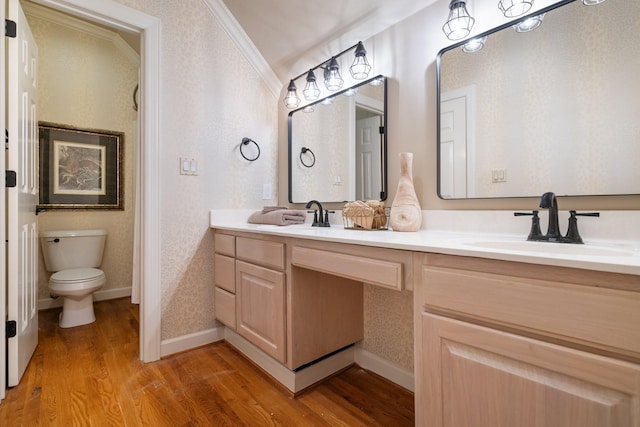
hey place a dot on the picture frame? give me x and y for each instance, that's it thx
(80, 168)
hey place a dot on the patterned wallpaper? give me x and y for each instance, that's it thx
(86, 81)
(211, 98)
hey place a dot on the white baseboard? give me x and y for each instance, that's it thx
(294, 381)
(384, 368)
(190, 341)
(46, 303)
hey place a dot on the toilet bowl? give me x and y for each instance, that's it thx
(73, 256)
(77, 286)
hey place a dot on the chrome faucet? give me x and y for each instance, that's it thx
(318, 220)
(549, 201)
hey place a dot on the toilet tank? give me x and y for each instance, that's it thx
(65, 249)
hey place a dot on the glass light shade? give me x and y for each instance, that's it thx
(474, 45)
(291, 100)
(332, 78)
(308, 109)
(328, 101)
(311, 91)
(529, 24)
(513, 8)
(592, 2)
(360, 68)
(459, 23)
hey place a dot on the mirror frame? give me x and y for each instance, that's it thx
(383, 170)
(458, 45)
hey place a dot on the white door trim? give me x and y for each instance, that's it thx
(3, 217)
(116, 15)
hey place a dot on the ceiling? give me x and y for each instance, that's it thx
(294, 35)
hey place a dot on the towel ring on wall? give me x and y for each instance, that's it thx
(246, 141)
(306, 150)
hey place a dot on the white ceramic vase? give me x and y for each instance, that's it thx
(406, 214)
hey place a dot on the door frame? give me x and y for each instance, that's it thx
(116, 15)
(3, 215)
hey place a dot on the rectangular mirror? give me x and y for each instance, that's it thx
(338, 146)
(553, 109)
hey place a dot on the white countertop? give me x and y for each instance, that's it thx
(455, 238)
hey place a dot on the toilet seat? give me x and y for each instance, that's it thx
(88, 277)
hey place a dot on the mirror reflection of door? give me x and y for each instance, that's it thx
(456, 143)
(368, 144)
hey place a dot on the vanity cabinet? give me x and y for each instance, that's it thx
(289, 307)
(512, 344)
(260, 295)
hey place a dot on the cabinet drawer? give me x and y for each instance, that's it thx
(225, 304)
(369, 270)
(589, 315)
(225, 273)
(263, 252)
(225, 244)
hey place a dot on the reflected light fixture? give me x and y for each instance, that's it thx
(474, 45)
(459, 23)
(328, 101)
(291, 100)
(592, 2)
(311, 91)
(332, 78)
(360, 68)
(377, 82)
(529, 24)
(351, 91)
(513, 8)
(333, 81)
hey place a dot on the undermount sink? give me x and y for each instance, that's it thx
(554, 248)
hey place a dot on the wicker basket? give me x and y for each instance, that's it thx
(360, 216)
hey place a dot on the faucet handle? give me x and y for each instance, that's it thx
(535, 233)
(573, 236)
(315, 217)
(326, 218)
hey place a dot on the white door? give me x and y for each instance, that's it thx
(22, 228)
(368, 146)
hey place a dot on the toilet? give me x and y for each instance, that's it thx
(74, 257)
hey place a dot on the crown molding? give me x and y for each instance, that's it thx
(53, 16)
(246, 46)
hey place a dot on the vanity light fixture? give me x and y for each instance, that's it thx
(291, 100)
(360, 68)
(328, 100)
(377, 82)
(333, 81)
(513, 8)
(474, 45)
(529, 24)
(459, 23)
(311, 91)
(592, 2)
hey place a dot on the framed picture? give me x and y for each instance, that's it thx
(80, 168)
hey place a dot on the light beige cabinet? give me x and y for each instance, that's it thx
(510, 344)
(294, 314)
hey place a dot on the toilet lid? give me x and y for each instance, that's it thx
(76, 275)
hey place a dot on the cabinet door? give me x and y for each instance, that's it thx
(472, 376)
(260, 303)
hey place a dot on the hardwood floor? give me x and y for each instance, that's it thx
(91, 376)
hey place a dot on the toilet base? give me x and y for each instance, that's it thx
(77, 312)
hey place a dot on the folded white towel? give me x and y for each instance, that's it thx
(278, 217)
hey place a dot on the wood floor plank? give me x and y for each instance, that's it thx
(91, 376)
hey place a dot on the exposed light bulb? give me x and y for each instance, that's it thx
(360, 68)
(332, 78)
(529, 24)
(311, 91)
(474, 45)
(513, 8)
(291, 100)
(459, 23)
